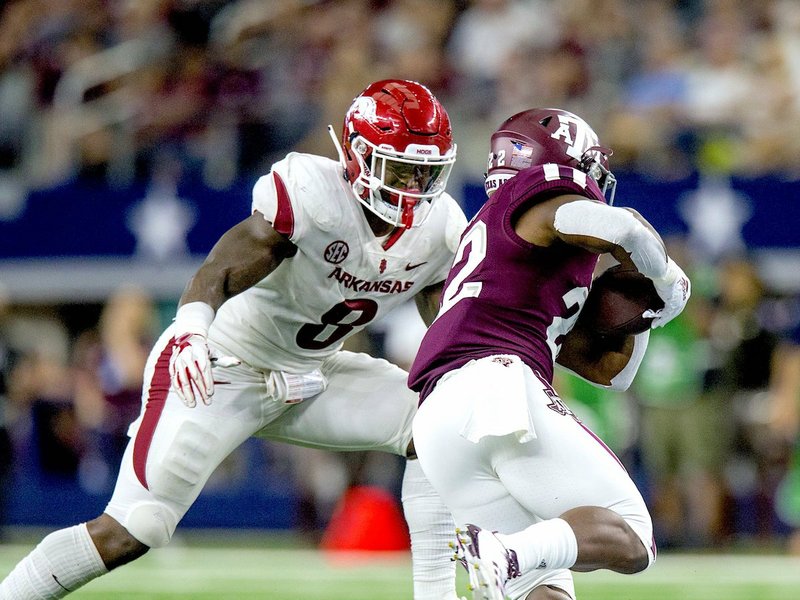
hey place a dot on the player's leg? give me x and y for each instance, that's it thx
(582, 509)
(62, 562)
(431, 528)
(590, 504)
(548, 592)
(368, 406)
(463, 473)
(172, 452)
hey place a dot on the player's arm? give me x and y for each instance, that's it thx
(607, 361)
(242, 257)
(621, 232)
(428, 302)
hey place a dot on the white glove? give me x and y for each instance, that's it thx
(191, 361)
(674, 288)
(190, 369)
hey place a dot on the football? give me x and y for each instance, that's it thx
(617, 300)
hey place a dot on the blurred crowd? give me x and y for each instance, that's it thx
(114, 90)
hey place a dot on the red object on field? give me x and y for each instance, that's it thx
(367, 519)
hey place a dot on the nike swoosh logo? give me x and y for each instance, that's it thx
(59, 583)
(409, 266)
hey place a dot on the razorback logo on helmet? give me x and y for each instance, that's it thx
(395, 129)
(366, 108)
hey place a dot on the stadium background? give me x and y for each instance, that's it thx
(131, 133)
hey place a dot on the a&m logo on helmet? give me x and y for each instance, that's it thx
(576, 134)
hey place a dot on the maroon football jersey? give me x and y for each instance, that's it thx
(504, 295)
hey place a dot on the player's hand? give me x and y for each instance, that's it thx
(674, 289)
(190, 368)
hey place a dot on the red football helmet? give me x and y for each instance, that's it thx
(397, 150)
(547, 135)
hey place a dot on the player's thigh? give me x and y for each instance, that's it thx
(366, 406)
(463, 475)
(461, 471)
(173, 449)
(567, 466)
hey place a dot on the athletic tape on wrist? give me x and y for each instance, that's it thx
(194, 317)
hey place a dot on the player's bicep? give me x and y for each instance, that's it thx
(256, 250)
(619, 231)
(243, 256)
(570, 222)
(537, 223)
(427, 302)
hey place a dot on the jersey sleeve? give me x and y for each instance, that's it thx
(551, 178)
(271, 198)
(275, 196)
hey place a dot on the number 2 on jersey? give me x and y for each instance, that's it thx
(561, 326)
(475, 239)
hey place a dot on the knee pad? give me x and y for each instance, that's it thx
(185, 466)
(151, 523)
(175, 479)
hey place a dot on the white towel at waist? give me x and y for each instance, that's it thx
(493, 389)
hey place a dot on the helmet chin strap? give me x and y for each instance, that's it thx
(336, 143)
(407, 218)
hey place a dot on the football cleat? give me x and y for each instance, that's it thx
(489, 564)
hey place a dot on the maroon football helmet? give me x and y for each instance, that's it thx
(397, 150)
(547, 135)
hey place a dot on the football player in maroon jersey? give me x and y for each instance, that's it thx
(536, 492)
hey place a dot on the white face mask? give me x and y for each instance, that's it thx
(398, 186)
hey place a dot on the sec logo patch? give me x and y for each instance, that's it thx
(336, 252)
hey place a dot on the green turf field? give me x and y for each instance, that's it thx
(271, 572)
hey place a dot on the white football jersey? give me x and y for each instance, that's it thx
(342, 277)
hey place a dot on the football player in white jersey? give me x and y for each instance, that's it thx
(255, 348)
